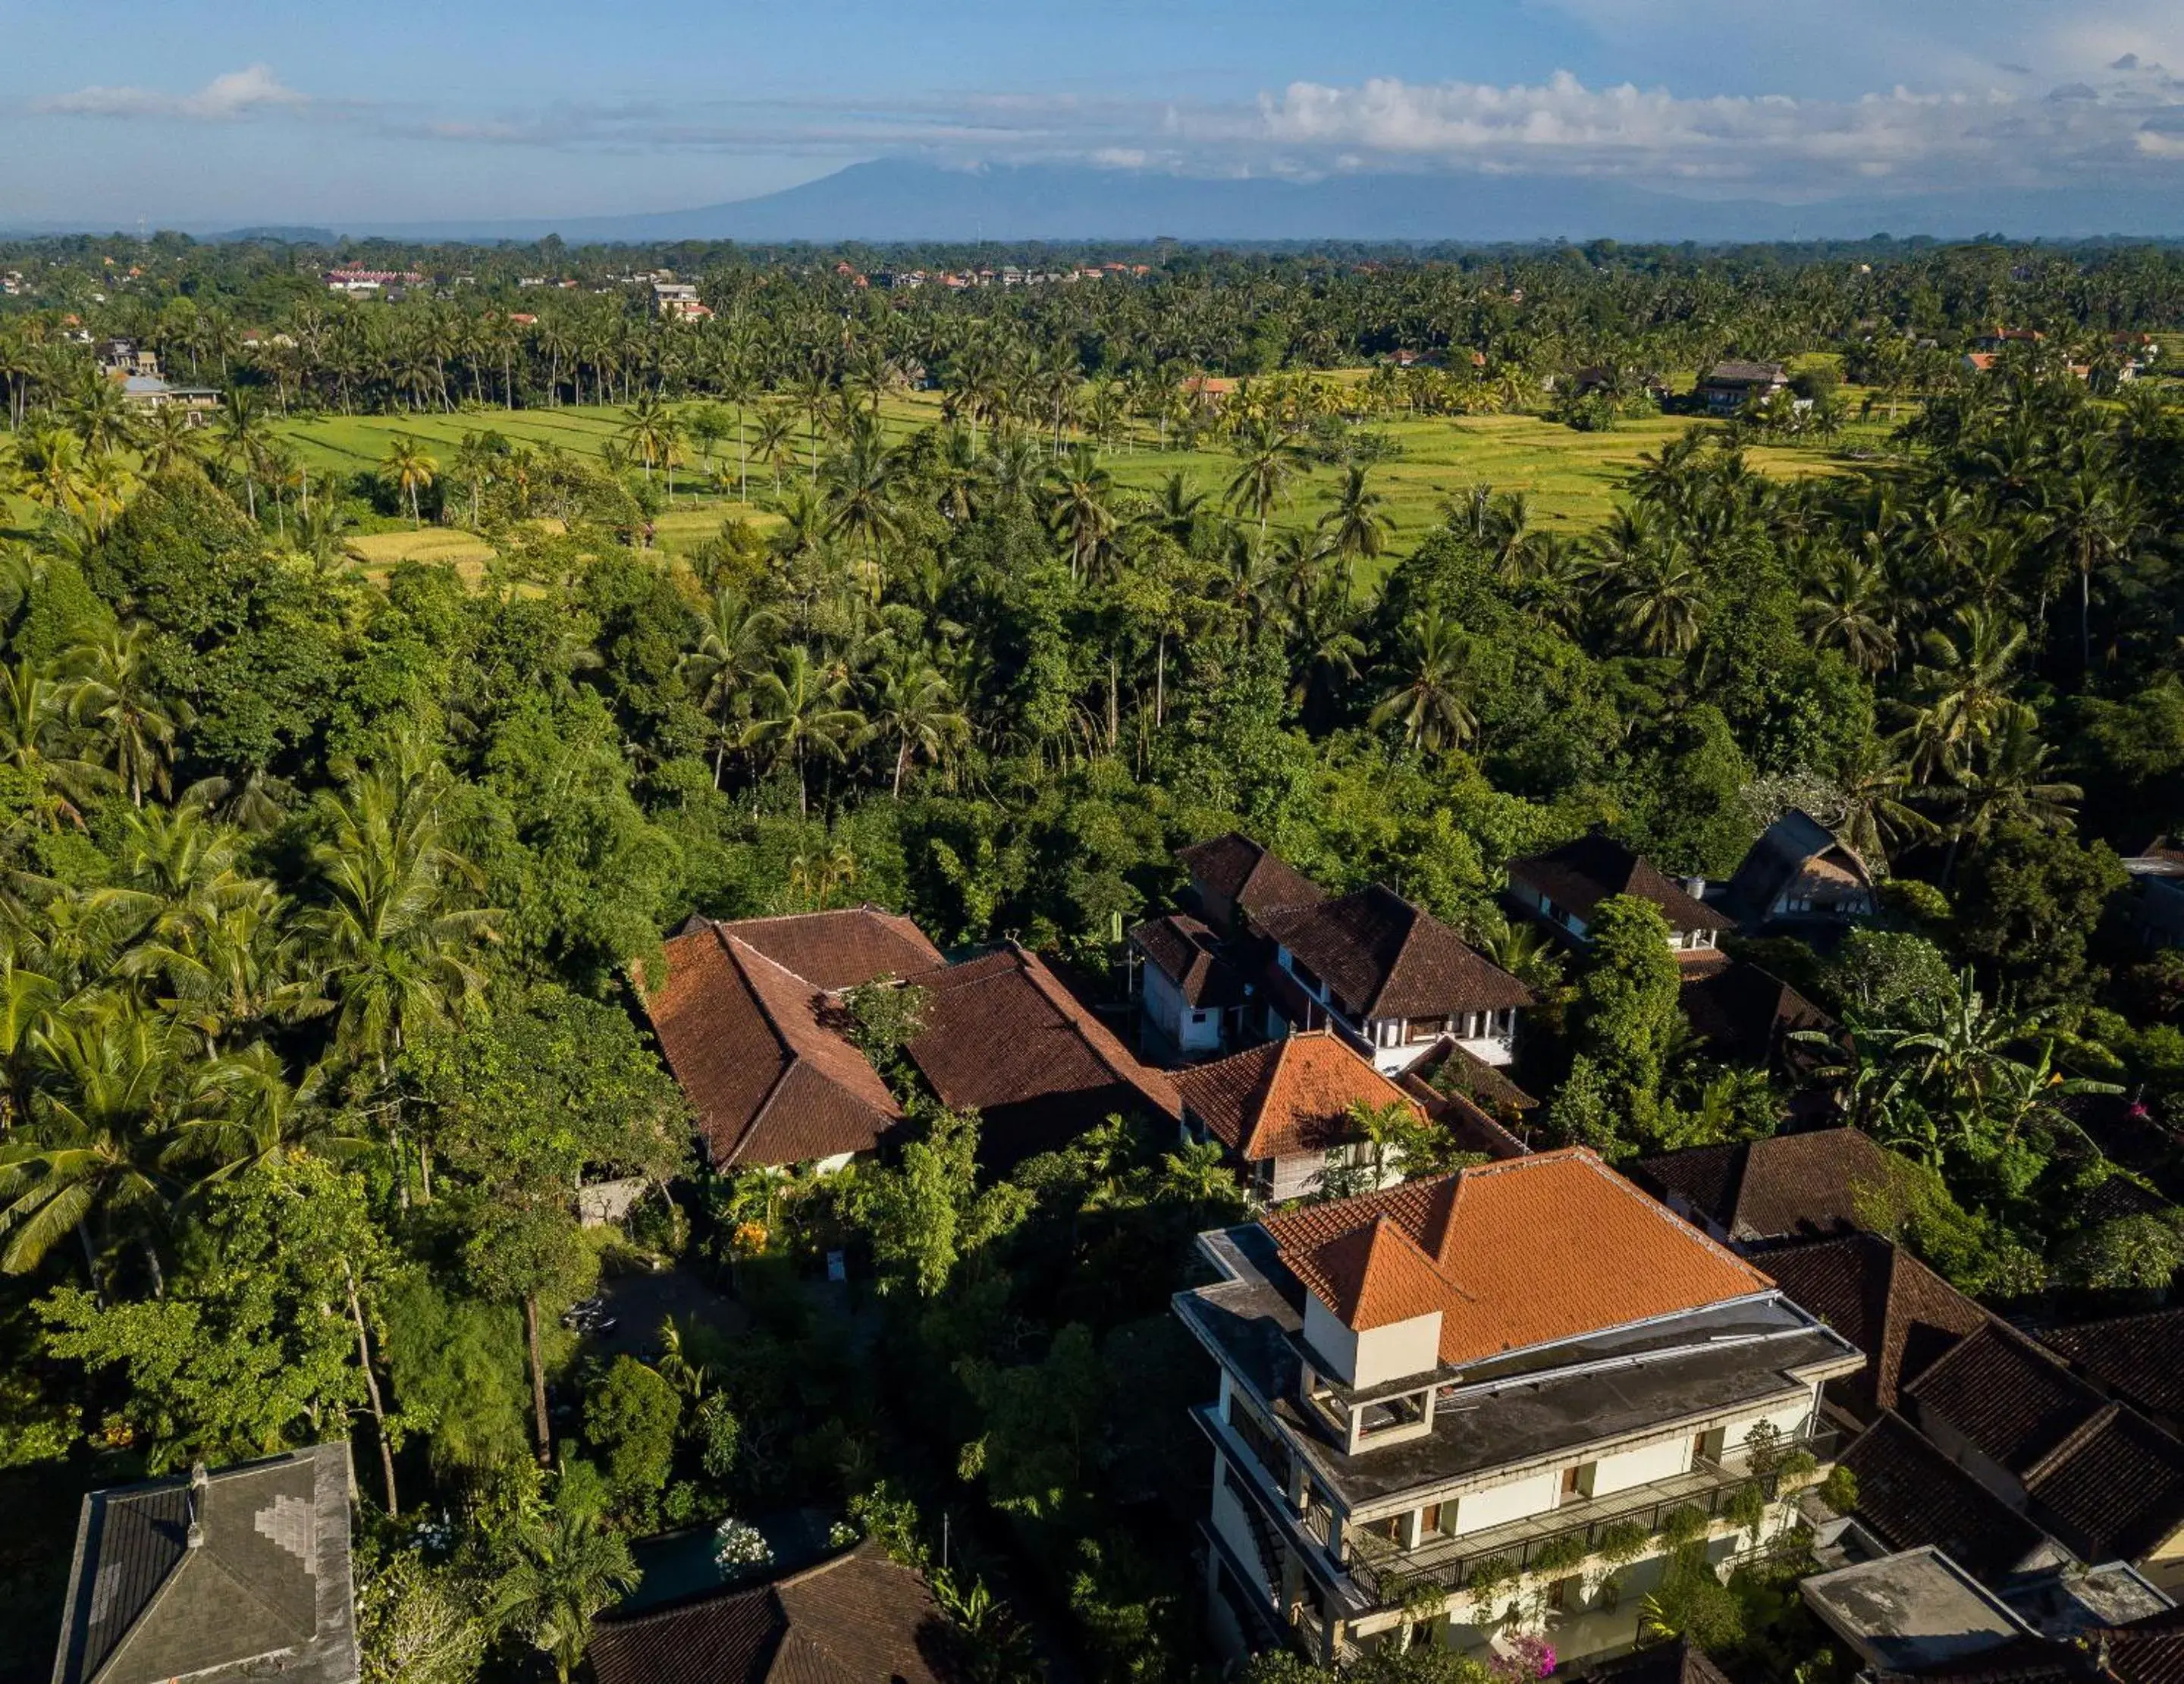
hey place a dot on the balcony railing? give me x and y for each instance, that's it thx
(1384, 1573)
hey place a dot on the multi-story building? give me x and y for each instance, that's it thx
(1488, 1403)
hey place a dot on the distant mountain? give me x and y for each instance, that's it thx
(892, 200)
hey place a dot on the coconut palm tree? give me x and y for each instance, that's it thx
(1962, 691)
(1357, 525)
(1080, 507)
(800, 711)
(116, 693)
(409, 469)
(1660, 602)
(1267, 459)
(2090, 522)
(1846, 609)
(392, 940)
(910, 704)
(49, 468)
(1429, 699)
(169, 440)
(34, 739)
(775, 442)
(241, 437)
(736, 633)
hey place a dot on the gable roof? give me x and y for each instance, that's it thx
(1733, 372)
(1189, 955)
(1382, 956)
(1899, 1312)
(1001, 1031)
(1786, 1185)
(2011, 1401)
(1911, 1496)
(1527, 1251)
(1745, 1013)
(858, 1619)
(1450, 1071)
(845, 948)
(758, 1055)
(2135, 1357)
(1374, 1275)
(1580, 875)
(2115, 1490)
(224, 1576)
(1247, 875)
(1286, 1096)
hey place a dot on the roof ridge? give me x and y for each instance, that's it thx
(740, 953)
(2072, 1441)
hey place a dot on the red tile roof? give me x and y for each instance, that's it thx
(842, 949)
(1580, 875)
(1373, 1276)
(858, 1619)
(1384, 958)
(759, 1056)
(1531, 1250)
(1002, 1035)
(1286, 1096)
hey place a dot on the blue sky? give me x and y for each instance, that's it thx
(203, 111)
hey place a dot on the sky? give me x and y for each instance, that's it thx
(210, 113)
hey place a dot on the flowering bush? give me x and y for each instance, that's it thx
(1523, 1658)
(738, 1544)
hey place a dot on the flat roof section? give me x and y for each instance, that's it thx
(1905, 1612)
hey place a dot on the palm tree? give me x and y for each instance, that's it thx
(34, 708)
(1357, 525)
(913, 707)
(1429, 701)
(1265, 459)
(169, 441)
(1846, 609)
(1177, 508)
(1874, 819)
(393, 942)
(1659, 602)
(241, 437)
(1963, 687)
(48, 467)
(409, 469)
(737, 631)
(116, 694)
(1081, 509)
(860, 491)
(569, 1568)
(777, 433)
(101, 415)
(2090, 522)
(2008, 780)
(799, 711)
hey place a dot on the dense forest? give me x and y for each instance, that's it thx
(328, 894)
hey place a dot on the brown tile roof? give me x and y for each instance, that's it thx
(858, 1619)
(842, 949)
(1003, 1036)
(1384, 958)
(758, 1054)
(1449, 1071)
(1580, 875)
(2115, 1490)
(2011, 1400)
(2139, 1358)
(1911, 1495)
(1678, 1662)
(2149, 1651)
(1286, 1096)
(1895, 1309)
(1189, 955)
(1746, 1014)
(1798, 1184)
(1535, 1249)
(1239, 870)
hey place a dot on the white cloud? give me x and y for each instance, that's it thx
(238, 93)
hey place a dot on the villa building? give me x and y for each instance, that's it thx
(1390, 977)
(1491, 1402)
(1799, 875)
(1563, 889)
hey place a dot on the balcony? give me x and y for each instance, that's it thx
(1384, 1573)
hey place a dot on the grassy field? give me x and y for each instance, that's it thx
(1570, 477)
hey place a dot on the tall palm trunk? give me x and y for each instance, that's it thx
(371, 1391)
(538, 1379)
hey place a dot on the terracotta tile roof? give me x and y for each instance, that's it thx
(1899, 1312)
(756, 1052)
(1746, 1014)
(1911, 1495)
(1241, 871)
(1002, 1035)
(1286, 1096)
(1384, 958)
(1580, 875)
(842, 949)
(1535, 1249)
(1190, 955)
(1798, 1184)
(2139, 1358)
(858, 1619)
(1373, 1276)
(2011, 1400)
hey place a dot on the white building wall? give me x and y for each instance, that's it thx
(1324, 1332)
(1789, 1419)
(1398, 1350)
(1660, 1460)
(1476, 1510)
